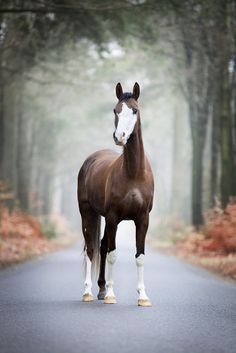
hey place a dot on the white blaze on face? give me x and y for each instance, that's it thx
(126, 123)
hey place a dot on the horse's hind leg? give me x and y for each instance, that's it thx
(90, 224)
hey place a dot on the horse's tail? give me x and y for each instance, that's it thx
(96, 250)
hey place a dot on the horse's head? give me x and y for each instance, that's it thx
(126, 114)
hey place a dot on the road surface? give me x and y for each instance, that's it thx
(41, 309)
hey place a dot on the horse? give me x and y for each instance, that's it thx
(118, 187)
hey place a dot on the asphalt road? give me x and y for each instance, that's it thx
(41, 309)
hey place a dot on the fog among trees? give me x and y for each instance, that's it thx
(59, 64)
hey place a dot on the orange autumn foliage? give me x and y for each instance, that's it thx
(18, 224)
(21, 237)
(221, 231)
(218, 235)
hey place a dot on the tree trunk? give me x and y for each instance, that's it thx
(197, 218)
(21, 160)
(234, 123)
(232, 33)
(46, 194)
(2, 124)
(215, 148)
(181, 175)
(227, 152)
(227, 160)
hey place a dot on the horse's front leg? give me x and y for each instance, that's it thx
(101, 278)
(141, 230)
(110, 231)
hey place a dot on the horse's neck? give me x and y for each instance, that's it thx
(134, 158)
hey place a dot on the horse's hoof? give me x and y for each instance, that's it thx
(101, 295)
(110, 300)
(87, 297)
(144, 302)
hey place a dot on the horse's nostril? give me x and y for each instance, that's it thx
(123, 135)
(115, 138)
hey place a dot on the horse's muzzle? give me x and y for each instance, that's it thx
(117, 142)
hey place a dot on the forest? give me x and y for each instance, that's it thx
(59, 63)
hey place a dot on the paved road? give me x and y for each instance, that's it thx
(41, 309)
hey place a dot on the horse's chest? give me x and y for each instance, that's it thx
(130, 203)
(134, 197)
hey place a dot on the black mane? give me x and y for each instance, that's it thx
(125, 96)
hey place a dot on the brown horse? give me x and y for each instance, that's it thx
(117, 187)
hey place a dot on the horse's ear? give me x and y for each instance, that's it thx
(136, 91)
(119, 91)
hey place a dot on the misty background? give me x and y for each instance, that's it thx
(60, 62)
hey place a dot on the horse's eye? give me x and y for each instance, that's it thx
(135, 111)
